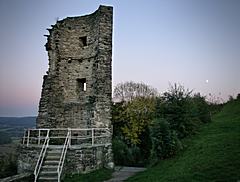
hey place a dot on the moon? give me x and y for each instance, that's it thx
(206, 81)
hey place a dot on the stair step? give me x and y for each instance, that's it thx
(54, 151)
(45, 178)
(55, 147)
(50, 167)
(48, 162)
(44, 172)
(48, 174)
(50, 157)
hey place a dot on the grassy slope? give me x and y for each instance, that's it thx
(211, 155)
(95, 176)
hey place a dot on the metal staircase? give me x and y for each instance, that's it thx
(49, 169)
(51, 160)
(54, 144)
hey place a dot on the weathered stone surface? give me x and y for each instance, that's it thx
(28, 158)
(87, 159)
(77, 90)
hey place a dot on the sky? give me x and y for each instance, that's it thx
(159, 42)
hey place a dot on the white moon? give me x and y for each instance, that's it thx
(206, 81)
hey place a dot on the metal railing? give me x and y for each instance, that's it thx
(41, 156)
(67, 137)
(63, 155)
(77, 136)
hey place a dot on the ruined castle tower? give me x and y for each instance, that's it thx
(77, 89)
(73, 132)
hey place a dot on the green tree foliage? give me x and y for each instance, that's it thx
(202, 108)
(8, 165)
(170, 117)
(126, 155)
(178, 109)
(131, 118)
(139, 113)
(119, 118)
(165, 142)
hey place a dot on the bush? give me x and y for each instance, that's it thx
(179, 110)
(203, 109)
(165, 142)
(125, 155)
(120, 152)
(8, 165)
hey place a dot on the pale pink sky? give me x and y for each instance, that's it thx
(156, 42)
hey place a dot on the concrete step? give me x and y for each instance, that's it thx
(48, 173)
(51, 162)
(53, 157)
(50, 167)
(44, 178)
(52, 152)
(53, 147)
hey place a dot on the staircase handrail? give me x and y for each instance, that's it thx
(63, 155)
(41, 156)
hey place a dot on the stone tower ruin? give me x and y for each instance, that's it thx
(73, 130)
(77, 90)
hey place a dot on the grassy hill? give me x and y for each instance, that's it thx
(211, 155)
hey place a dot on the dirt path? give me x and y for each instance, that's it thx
(122, 173)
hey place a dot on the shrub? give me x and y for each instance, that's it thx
(203, 109)
(165, 142)
(139, 113)
(179, 110)
(8, 165)
(120, 151)
(127, 155)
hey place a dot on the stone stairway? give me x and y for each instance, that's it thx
(49, 168)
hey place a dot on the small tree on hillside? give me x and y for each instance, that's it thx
(125, 92)
(139, 113)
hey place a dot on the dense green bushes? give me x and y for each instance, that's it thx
(165, 142)
(155, 125)
(8, 165)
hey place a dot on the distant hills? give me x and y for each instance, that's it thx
(18, 121)
(13, 127)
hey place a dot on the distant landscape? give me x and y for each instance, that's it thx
(12, 128)
(11, 132)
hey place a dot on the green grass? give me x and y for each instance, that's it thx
(211, 155)
(95, 176)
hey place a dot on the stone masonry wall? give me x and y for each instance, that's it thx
(77, 89)
(27, 159)
(87, 159)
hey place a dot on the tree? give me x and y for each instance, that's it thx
(165, 142)
(178, 109)
(139, 113)
(125, 92)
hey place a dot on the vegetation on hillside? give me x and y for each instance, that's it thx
(8, 160)
(148, 126)
(211, 155)
(11, 130)
(95, 176)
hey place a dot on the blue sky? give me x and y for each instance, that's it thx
(156, 42)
